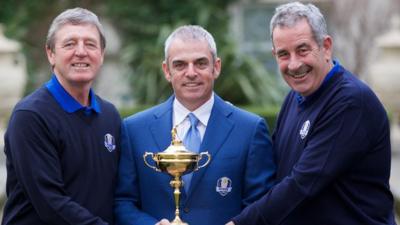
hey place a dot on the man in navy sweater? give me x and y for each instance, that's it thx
(331, 143)
(62, 140)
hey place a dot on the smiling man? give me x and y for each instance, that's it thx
(332, 141)
(241, 168)
(62, 141)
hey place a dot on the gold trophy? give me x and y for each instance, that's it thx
(176, 160)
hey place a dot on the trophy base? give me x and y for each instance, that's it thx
(178, 221)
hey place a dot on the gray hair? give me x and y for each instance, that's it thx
(76, 16)
(191, 32)
(289, 14)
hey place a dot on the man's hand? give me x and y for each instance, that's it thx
(163, 222)
(230, 223)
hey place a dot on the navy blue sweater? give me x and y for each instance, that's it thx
(59, 168)
(333, 156)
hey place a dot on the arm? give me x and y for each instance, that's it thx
(336, 141)
(127, 196)
(34, 155)
(260, 166)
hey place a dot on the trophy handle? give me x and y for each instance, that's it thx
(147, 164)
(208, 159)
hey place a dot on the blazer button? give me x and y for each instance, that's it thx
(186, 209)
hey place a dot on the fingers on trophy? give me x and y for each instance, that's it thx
(176, 161)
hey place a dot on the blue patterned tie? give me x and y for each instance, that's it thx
(192, 142)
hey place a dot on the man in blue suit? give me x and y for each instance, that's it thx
(241, 169)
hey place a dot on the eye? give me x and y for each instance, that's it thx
(202, 63)
(303, 51)
(91, 45)
(68, 45)
(178, 65)
(282, 55)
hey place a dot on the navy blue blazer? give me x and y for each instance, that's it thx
(240, 148)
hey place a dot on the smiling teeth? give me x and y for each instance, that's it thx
(299, 75)
(80, 64)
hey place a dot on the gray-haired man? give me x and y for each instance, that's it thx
(62, 141)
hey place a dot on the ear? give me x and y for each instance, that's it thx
(217, 67)
(327, 47)
(102, 56)
(273, 51)
(50, 55)
(166, 71)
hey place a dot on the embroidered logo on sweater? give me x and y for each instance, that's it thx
(224, 186)
(304, 129)
(109, 142)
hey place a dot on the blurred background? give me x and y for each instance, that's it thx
(366, 35)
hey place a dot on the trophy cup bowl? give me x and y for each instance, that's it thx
(176, 161)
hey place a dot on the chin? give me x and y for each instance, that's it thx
(84, 77)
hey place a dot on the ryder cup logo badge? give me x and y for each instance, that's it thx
(109, 142)
(304, 129)
(224, 186)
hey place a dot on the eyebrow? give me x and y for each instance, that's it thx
(280, 51)
(184, 61)
(74, 38)
(177, 61)
(201, 59)
(303, 45)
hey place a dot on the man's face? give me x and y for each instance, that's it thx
(77, 55)
(302, 62)
(191, 70)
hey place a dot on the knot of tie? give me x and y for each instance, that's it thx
(193, 120)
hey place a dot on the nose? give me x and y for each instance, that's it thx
(80, 49)
(294, 63)
(191, 70)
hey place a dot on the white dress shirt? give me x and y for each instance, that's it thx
(181, 119)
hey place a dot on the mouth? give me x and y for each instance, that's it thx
(300, 73)
(298, 76)
(191, 84)
(80, 65)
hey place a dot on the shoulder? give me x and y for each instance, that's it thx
(235, 113)
(149, 114)
(352, 90)
(352, 96)
(107, 106)
(39, 101)
(109, 113)
(36, 111)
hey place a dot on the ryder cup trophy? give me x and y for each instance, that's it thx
(176, 160)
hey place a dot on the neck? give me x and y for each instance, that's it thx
(193, 105)
(82, 97)
(79, 92)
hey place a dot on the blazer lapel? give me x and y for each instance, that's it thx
(217, 131)
(160, 130)
(160, 127)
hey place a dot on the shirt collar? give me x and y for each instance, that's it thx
(300, 99)
(202, 113)
(67, 102)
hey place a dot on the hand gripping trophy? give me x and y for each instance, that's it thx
(177, 161)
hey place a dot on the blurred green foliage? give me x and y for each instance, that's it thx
(144, 25)
(147, 23)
